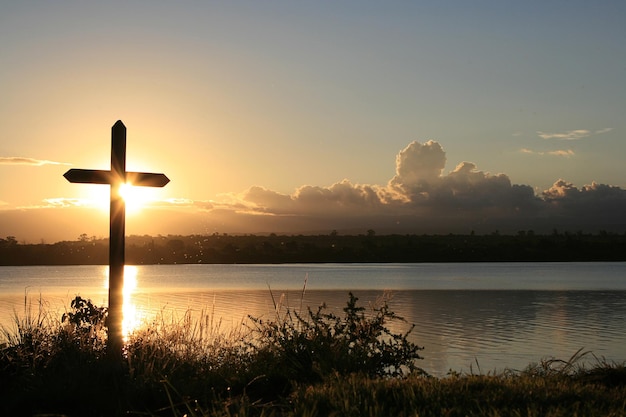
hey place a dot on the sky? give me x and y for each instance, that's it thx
(309, 117)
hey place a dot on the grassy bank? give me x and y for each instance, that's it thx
(299, 363)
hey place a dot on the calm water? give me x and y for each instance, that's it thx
(486, 316)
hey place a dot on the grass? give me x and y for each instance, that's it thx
(299, 363)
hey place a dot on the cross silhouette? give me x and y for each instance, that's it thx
(115, 177)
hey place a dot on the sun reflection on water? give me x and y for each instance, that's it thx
(131, 320)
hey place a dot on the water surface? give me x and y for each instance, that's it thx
(478, 316)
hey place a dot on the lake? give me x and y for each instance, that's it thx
(470, 317)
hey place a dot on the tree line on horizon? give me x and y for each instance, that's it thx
(329, 248)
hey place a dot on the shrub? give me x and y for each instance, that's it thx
(318, 343)
(84, 326)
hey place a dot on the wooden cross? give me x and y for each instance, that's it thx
(115, 177)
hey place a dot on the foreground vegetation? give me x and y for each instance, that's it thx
(310, 362)
(369, 247)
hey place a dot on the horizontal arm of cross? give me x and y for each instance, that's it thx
(146, 179)
(97, 176)
(88, 176)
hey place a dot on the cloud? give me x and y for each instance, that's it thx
(337, 199)
(559, 152)
(569, 135)
(417, 165)
(60, 202)
(469, 189)
(590, 203)
(18, 160)
(169, 203)
(178, 201)
(573, 134)
(262, 198)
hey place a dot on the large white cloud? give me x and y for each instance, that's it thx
(418, 166)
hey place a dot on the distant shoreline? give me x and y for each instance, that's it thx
(331, 248)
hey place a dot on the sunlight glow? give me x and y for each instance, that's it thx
(98, 197)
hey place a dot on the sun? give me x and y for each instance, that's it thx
(135, 198)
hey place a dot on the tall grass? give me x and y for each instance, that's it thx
(304, 362)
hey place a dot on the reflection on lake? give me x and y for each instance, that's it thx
(488, 316)
(132, 319)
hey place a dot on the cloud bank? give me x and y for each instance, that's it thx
(420, 198)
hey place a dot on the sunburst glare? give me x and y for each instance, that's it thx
(135, 198)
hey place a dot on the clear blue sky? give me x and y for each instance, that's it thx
(233, 98)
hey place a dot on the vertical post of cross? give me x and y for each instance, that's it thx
(117, 226)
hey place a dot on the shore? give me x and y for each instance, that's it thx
(525, 246)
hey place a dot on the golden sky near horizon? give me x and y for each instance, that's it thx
(264, 109)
